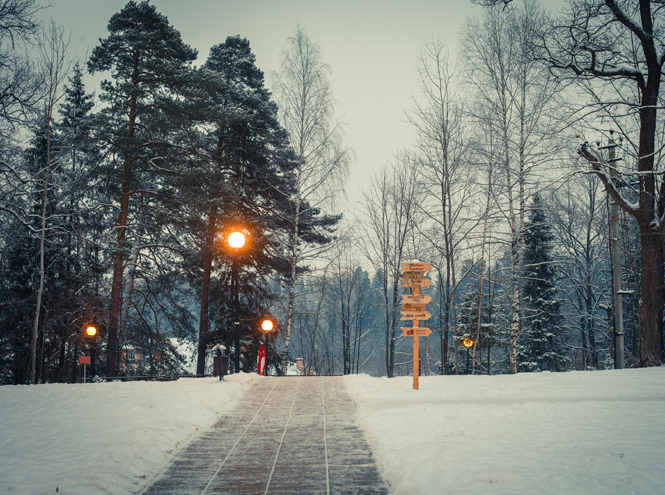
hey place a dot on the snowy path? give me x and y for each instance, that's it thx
(287, 436)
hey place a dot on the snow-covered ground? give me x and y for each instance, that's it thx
(103, 438)
(599, 432)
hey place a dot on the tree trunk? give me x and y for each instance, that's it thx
(292, 282)
(118, 268)
(590, 320)
(515, 307)
(127, 292)
(651, 298)
(116, 288)
(204, 337)
(40, 290)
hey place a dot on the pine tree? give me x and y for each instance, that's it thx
(467, 321)
(542, 338)
(149, 62)
(81, 223)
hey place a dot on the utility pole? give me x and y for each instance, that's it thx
(616, 264)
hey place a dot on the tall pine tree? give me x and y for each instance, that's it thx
(245, 156)
(149, 61)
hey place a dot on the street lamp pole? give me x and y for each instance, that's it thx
(266, 325)
(236, 241)
(467, 343)
(237, 311)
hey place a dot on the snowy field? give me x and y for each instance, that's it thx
(569, 433)
(103, 438)
(599, 432)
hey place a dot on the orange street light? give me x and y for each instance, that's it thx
(236, 240)
(267, 325)
(91, 330)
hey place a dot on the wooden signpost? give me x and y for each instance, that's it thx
(415, 315)
(415, 299)
(416, 332)
(413, 308)
(418, 282)
(416, 267)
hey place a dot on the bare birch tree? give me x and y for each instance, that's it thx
(444, 174)
(520, 95)
(390, 212)
(55, 63)
(307, 111)
(580, 223)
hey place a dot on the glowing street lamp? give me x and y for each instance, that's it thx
(266, 325)
(467, 342)
(90, 332)
(236, 240)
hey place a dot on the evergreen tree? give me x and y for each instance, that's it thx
(467, 322)
(244, 154)
(541, 345)
(17, 303)
(81, 222)
(149, 63)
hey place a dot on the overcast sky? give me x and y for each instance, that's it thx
(371, 46)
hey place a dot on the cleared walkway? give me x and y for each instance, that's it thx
(290, 435)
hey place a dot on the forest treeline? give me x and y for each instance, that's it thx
(116, 206)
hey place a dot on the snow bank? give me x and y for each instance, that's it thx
(105, 437)
(599, 432)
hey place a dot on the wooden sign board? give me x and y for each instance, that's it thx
(416, 315)
(416, 299)
(416, 332)
(412, 275)
(413, 306)
(419, 267)
(423, 282)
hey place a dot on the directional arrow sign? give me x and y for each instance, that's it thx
(422, 282)
(413, 275)
(413, 307)
(415, 299)
(415, 315)
(416, 332)
(419, 267)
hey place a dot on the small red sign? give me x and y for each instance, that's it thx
(84, 359)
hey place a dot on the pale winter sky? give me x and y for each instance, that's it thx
(371, 45)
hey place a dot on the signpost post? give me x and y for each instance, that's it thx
(85, 361)
(413, 308)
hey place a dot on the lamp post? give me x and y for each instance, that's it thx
(467, 343)
(236, 241)
(266, 325)
(90, 333)
(219, 348)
